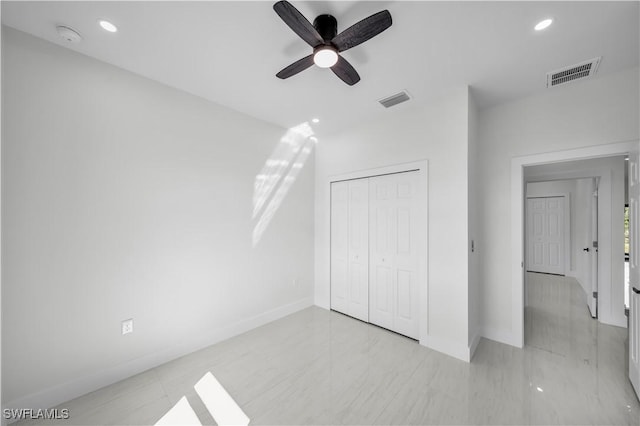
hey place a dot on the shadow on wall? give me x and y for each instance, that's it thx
(278, 175)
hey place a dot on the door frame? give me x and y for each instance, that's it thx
(518, 219)
(421, 167)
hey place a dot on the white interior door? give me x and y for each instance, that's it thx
(634, 272)
(393, 254)
(339, 246)
(383, 233)
(358, 302)
(593, 251)
(350, 248)
(545, 235)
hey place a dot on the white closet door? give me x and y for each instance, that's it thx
(382, 251)
(340, 247)
(350, 248)
(393, 253)
(407, 266)
(358, 256)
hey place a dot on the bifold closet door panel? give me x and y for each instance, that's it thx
(350, 248)
(393, 254)
(358, 256)
(382, 234)
(407, 260)
(339, 246)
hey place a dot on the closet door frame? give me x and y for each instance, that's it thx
(421, 167)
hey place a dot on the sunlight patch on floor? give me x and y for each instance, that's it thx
(180, 414)
(222, 407)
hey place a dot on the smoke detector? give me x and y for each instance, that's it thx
(395, 99)
(68, 34)
(574, 72)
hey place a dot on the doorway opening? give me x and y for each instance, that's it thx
(518, 165)
(561, 233)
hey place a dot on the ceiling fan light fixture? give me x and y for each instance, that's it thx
(325, 57)
(326, 43)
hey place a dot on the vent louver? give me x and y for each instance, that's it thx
(395, 99)
(574, 72)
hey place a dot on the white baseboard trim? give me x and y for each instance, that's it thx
(616, 322)
(474, 345)
(448, 347)
(56, 395)
(326, 308)
(320, 304)
(573, 274)
(500, 336)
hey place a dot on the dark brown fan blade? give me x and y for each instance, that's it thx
(345, 71)
(362, 31)
(298, 23)
(296, 67)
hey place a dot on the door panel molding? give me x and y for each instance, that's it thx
(546, 234)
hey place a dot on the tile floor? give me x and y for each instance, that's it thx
(320, 367)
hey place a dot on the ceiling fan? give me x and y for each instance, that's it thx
(326, 43)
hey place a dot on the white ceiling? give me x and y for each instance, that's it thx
(229, 52)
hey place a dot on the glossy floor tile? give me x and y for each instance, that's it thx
(321, 367)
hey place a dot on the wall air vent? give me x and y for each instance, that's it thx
(574, 72)
(395, 99)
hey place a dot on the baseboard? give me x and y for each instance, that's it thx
(616, 322)
(448, 347)
(500, 336)
(474, 345)
(56, 395)
(572, 274)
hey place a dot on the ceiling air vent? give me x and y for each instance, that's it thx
(574, 72)
(395, 99)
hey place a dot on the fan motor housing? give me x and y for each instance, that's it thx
(327, 26)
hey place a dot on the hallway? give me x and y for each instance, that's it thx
(581, 364)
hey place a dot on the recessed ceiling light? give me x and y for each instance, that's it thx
(108, 26)
(543, 24)
(315, 120)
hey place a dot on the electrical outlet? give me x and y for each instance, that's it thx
(127, 326)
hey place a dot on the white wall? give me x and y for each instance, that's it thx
(598, 111)
(439, 134)
(124, 198)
